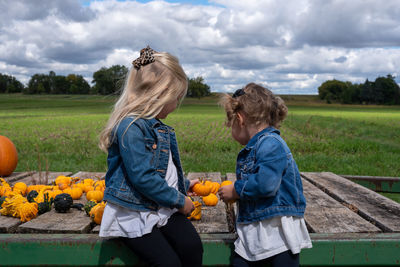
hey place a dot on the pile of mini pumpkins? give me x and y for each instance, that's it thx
(27, 202)
(207, 190)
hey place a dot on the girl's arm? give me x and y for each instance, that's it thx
(269, 166)
(137, 155)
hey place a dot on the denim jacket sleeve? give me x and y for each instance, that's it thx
(187, 184)
(141, 173)
(270, 163)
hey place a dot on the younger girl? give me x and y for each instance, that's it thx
(145, 188)
(269, 224)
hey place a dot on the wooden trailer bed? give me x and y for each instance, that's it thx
(350, 225)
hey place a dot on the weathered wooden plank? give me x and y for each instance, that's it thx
(377, 183)
(89, 175)
(96, 229)
(213, 219)
(325, 215)
(9, 224)
(231, 208)
(74, 221)
(381, 211)
(16, 176)
(41, 178)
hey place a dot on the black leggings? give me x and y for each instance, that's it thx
(284, 259)
(175, 244)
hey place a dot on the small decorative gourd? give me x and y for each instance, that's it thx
(63, 202)
(215, 187)
(95, 195)
(20, 187)
(2, 200)
(210, 200)
(226, 182)
(196, 213)
(96, 214)
(45, 206)
(75, 192)
(88, 206)
(201, 189)
(32, 195)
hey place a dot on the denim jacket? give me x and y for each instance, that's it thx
(137, 165)
(268, 180)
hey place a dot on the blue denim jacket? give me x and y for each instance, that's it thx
(137, 164)
(268, 180)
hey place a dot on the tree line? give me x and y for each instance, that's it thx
(384, 90)
(106, 81)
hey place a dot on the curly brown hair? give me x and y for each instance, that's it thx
(258, 104)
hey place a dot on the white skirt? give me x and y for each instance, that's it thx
(120, 221)
(263, 239)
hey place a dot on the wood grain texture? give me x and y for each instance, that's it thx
(381, 211)
(326, 215)
(74, 221)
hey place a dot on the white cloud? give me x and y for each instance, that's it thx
(292, 47)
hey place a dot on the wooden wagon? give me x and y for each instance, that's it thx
(349, 224)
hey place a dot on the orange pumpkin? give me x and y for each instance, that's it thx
(94, 195)
(214, 187)
(80, 185)
(88, 181)
(87, 188)
(75, 192)
(57, 192)
(201, 189)
(62, 179)
(20, 186)
(210, 200)
(96, 213)
(226, 182)
(8, 156)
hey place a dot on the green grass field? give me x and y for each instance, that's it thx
(60, 133)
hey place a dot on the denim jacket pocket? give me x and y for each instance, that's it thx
(246, 167)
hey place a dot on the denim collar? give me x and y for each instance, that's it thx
(255, 138)
(154, 123)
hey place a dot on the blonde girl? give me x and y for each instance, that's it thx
(268, 189)
(145, 187)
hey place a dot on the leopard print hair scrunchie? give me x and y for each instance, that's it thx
(146, 57)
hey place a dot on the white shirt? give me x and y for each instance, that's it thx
(120, 221)
(263, 239)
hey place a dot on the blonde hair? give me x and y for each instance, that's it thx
(258, 104)
(146, 91)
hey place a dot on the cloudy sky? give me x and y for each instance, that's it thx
(291, 46)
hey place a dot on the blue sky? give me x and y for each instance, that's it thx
(289, 46)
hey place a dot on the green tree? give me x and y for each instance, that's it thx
(109, 80)
(197, 88)
(61, 84)
(39, 79)
(332, 90)
(77, 84)
(9, 84)
(367, 92)
(386, 90)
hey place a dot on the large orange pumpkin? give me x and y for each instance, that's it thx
(8, 156)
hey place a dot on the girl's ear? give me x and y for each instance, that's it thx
(240, 119)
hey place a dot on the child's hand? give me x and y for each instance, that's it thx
(228, 193)
(192, 183)
(187, 208)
